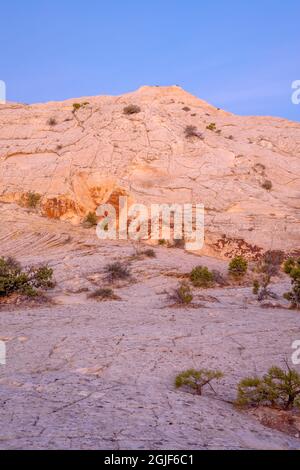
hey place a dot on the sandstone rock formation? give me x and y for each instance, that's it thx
(79, 156)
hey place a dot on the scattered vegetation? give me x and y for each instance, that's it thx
(192, 131)
(149, 252)
(238, 267)
(212, 127)
(201, 277)
(267, 184)
(116, 271)
(274, 259)
(278, 388)
(268, 267)
(219, 278)
(292, 268)
(289, 265)
(182, 295)
(186, 109)
(14, 279)
(131, 109)
(104, 293)
(76, 107)
(91, 219)
(197, 379)
(51, 122)
(179, 243)
(162, 242)
(32, 199)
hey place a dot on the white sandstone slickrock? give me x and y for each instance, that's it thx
(77, 159)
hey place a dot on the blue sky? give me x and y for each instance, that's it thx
(240, 55)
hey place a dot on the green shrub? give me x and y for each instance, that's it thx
(211, 126)
(182, 295)
(197, 379)
(279, 388)
(32, 199)
(76, 107)
(292, 268)
(290, 264)
(15, 280)
(131, 109)
(116, 271)
(91, 219)
(201, 277)
(238, 266)
(41, 277)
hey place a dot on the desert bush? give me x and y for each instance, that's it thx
(51, 122)
(238, 266)
(103, 293)
(212, 126)
(15, 280)
(267, 184)
(179, 243)
(131, 109)
(91, 219)
(192, 131)
(267, 267)
(256, 287)
(116, 271)
(278, 388)
(182, 295)
(41, 277)
(32, 199)
(292, 268)
(261, 289)
(149, 252)
(76, 107)
(290, 264)
(219, 278)
(162, 242)
(201, 277)
(273, 258)
(186, 109)
(197, 379)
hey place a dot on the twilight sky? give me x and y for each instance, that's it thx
(240, 55)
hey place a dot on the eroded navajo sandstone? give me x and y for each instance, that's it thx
(79, 158)
(83, 374)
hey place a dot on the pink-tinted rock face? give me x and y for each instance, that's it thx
(246, 170)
